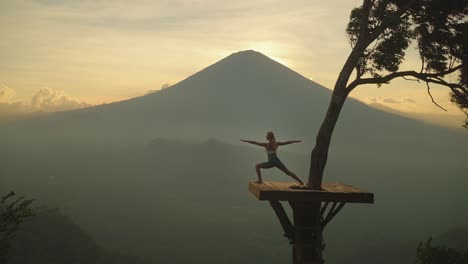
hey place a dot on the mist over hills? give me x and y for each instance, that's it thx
(51, 238)
(170, 195)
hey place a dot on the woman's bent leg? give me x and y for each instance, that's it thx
(262, 165)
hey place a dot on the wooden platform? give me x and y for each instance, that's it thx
(331, 192)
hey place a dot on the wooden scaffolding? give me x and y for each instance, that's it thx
(312, 210)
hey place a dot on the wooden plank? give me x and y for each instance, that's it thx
(328, 188)
(332, 192)
(269, 186)
(349, 188)
(278, 186)
(356, 189)
(341, 188)
(285, 185)
(255, 190)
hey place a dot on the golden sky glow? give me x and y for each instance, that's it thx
(103, 51)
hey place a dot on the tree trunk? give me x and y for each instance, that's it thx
(319, 154)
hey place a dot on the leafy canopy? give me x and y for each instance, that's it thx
(382, 31)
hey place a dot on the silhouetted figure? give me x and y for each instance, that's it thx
(273, 161)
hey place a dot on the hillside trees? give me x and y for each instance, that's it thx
(13, 211)
(427, 253)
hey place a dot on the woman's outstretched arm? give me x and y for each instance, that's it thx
(254, 142)
(288, 142)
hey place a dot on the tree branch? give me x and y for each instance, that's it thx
(422, 64)
(409, 79)
(364, 22)
(393, 75)
(432, 98)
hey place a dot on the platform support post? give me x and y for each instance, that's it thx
(305, 233)
(307, 248)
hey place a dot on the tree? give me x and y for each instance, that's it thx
(12, 214)
(429, 254)
(380, 32)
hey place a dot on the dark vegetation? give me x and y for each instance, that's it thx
(13, 211)
(427, 253)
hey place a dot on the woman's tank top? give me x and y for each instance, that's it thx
(271, 151)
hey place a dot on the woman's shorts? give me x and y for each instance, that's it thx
(273, 161)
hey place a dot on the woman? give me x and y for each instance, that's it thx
(273, 160)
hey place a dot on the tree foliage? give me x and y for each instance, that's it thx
(382, 31)
(12, 213)
(430, 254)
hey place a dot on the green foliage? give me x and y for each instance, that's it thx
(430, 254)
(438, 28)
(388, 51)
(12, 214)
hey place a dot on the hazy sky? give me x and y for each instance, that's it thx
(76, 53)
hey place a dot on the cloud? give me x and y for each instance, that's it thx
(51, 100)
(6, 94)
(43, 100)
(164, 86)
(8, 108)
(408, 101)
(390, 100)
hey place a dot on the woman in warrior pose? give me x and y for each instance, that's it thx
(273, 161)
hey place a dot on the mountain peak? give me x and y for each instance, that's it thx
(248, 55)
(244, 72)
(246, 64)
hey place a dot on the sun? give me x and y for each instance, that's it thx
(269, 49)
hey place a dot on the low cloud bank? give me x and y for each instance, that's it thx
(164, 86)
(43, 100)
(389, 100)
(50, 100)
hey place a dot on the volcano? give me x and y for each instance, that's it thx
(241, 96)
